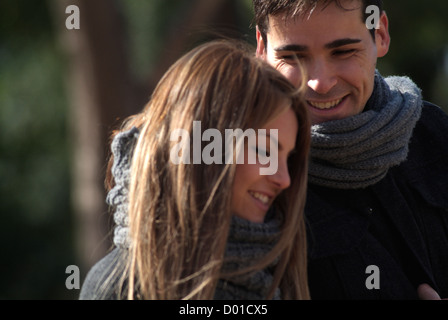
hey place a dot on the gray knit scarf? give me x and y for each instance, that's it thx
(247, 241)
(357, 151)
(117, 198)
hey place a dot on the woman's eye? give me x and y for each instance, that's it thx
(262, 152)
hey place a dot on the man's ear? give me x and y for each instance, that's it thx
(382, 36)
(261, 47)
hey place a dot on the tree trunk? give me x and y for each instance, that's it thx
(100, 93)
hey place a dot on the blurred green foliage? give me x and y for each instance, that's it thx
(419, 47)
(36, 233)
(150, 22)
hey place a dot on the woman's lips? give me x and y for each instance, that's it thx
(260, 196)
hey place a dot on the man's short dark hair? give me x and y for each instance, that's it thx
(264, 8)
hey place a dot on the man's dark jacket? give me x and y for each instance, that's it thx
(399, 226)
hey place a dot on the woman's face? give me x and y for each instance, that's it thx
(253, 193)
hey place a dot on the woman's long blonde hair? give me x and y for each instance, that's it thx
(180, 213)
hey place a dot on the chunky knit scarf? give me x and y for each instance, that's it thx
(247, 241)
(357, 151)
(117, 198)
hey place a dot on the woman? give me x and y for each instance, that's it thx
(211, 231)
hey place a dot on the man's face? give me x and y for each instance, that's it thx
(338, 53)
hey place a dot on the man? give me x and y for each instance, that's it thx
(377, 207)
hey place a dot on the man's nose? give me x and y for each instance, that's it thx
(321, 78)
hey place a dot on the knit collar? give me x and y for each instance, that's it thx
(247, 243)
(357, 151)
(121, 147)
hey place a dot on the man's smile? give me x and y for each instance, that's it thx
(325, 105)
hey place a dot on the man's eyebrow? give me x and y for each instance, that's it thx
(291, 47)
(330, 45)
(341, 42)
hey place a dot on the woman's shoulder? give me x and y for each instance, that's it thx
(105, 280)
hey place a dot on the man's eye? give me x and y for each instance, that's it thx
(291, 57)
(344, 52)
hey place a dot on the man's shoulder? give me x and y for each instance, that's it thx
(426, 167)
(433, 115)
(430, 131)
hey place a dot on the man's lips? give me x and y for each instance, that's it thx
(325, 105)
